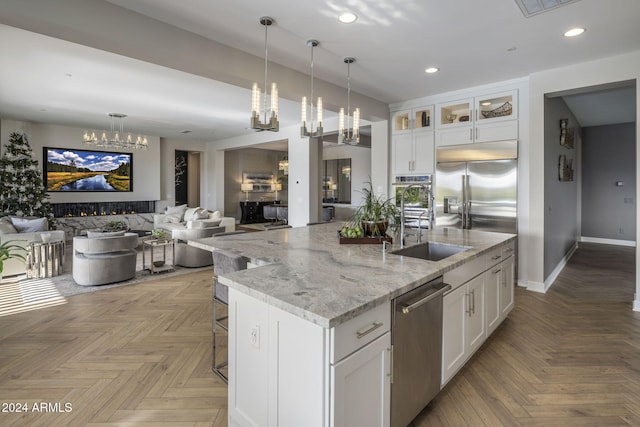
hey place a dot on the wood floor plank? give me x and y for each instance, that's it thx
(140, 355)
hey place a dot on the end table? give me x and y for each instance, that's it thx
(156, 264)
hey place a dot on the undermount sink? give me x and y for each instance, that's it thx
(430, 251)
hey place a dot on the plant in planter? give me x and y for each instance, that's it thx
(10, 250)
(376, 213)
(158, 233)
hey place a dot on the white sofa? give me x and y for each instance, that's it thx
(15, 266)
(183, 217)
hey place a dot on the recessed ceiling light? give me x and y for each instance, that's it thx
(432, 70)
(574, 32)
(347, 18)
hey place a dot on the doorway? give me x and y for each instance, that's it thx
(598, 205)
(187, 178)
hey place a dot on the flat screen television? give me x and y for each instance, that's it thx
(68, 169)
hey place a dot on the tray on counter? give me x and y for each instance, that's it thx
(363, 240)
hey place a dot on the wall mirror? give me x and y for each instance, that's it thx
(336, 181)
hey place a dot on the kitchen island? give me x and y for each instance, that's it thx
(309, 329)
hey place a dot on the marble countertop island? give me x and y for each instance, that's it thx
(307, 272)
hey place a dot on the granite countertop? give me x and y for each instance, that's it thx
(307, 272)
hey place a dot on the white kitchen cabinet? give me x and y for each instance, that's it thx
(286, 371)
(481, 119)
(508, 285)
(413, 153)
(463, 325)
(362, 384)
(419, 119)
(493, 296)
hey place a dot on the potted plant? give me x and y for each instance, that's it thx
(376, 213)
(10, 250)
(158, 233)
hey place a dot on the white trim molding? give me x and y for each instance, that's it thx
(599, 240)
(544, 287)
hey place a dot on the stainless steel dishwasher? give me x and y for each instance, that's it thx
(416, 340)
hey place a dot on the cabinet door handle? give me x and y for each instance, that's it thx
(470, 134)
(373, 327)
(473, 299)
(476, 129)
(468, 310)
(497, 270)
(495, 257)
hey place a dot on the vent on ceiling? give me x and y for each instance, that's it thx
(535, 7)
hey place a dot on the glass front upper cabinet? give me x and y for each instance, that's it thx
(496, 107)
(415, 119)
(455, 113)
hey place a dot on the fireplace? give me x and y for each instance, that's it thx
(65, 210)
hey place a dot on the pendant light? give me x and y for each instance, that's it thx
(272, 123)
(349, 135)
(304, 131)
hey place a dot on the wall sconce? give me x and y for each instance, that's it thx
(346, 171)
(246, 188)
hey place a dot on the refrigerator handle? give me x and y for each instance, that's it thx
(463, 205)
(468, 203)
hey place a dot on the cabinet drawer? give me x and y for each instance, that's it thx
(508, 250)
(465, 272)
(494, 257)
(359, 331)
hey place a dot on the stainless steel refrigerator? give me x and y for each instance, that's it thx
(476, 186)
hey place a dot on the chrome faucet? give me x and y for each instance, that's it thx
(419, 237)
(402, 219)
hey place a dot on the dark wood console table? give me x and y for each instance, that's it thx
(252, 211)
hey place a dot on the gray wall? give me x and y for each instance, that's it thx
(248, 160)
(608, 156)
(560, 197)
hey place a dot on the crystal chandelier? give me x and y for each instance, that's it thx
(349, 135)
(116, 137)
(304, 131)
(272, 124)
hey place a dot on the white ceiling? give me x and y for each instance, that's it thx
(472, 42)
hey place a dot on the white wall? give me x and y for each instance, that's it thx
(146, 164)
(594, 73)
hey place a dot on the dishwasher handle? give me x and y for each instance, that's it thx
(407, 308)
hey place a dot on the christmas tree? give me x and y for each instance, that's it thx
(22, 192)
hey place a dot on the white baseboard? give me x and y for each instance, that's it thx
(607, 241)
(536, 287)
(636, 305)
(556, 271)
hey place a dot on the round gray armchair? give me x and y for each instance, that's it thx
(102, 260)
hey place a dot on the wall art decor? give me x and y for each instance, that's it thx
(565, 168)
(566, 134)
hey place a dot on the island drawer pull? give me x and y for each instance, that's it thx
(373, 327)
(495, 257)
(497, 270)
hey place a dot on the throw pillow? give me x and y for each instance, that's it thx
(27, 225)
(177, 211)
(202, 213)
(216, 215)
(171, 219)
(7, 228)
(101, 234)
(189, 214)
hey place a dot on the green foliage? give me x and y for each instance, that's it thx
(10, 250)
(376, 209)
(22, 191)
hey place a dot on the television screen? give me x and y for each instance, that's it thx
(87, 170)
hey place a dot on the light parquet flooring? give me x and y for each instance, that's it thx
(135, 355)
(140, 355)
(570, 357)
